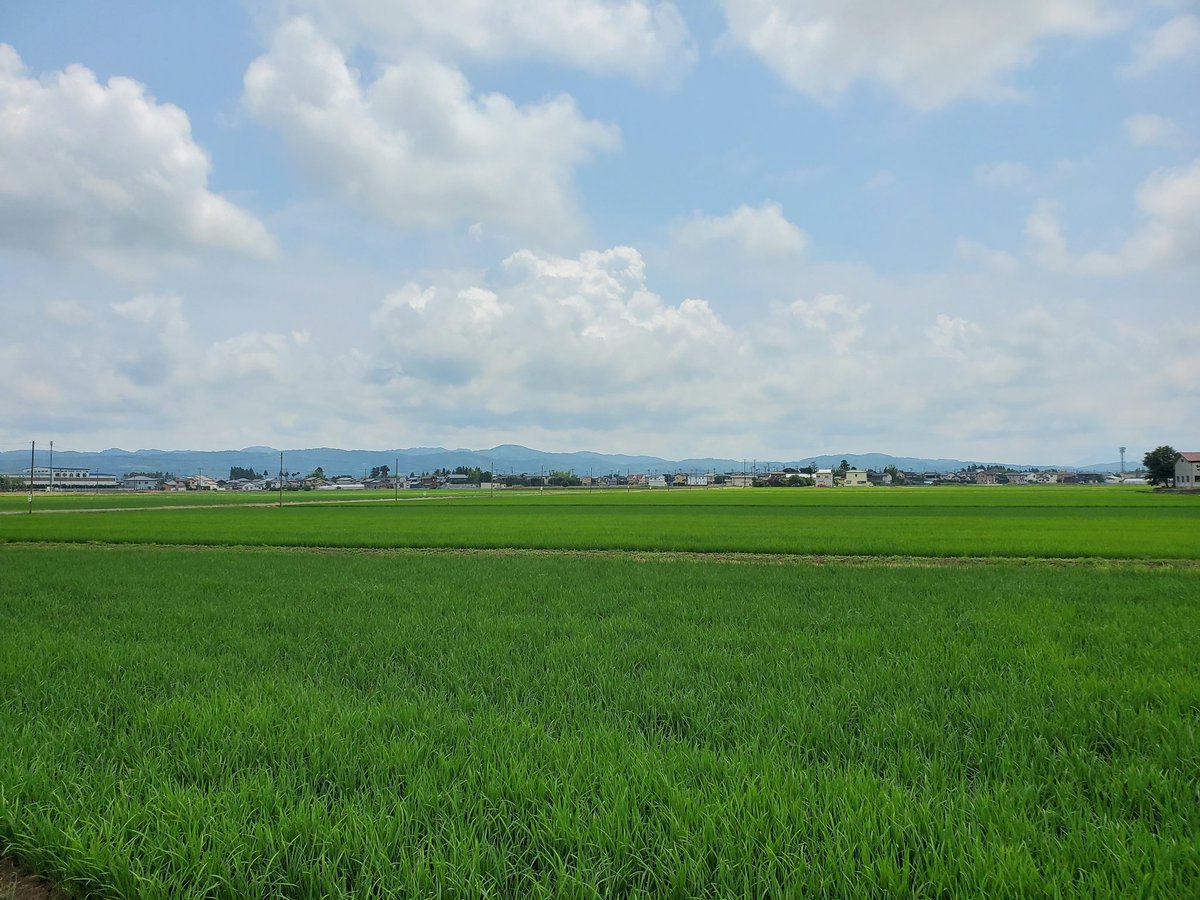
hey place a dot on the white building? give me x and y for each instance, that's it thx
(856, 478)
(139, 483)
(823, 478)
(65, 479)
(1187, 470)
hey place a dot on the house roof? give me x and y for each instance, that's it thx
(1190, 456)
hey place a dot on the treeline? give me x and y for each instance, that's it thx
(236, 472)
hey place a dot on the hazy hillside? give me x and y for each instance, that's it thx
(504, 458)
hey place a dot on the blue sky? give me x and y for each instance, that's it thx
(755, 228)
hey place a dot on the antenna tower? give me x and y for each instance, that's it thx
(1122, 462)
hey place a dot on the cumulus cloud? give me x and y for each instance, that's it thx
(254, 355)
(982, 255)
(761, 231)
(105, 172)
(834, 315)
(1004, 174)
(629, 37)
(1175, 41)
(1149, 130)
(582, 351)
(929, 54)
(952, 336)
(1169, 204)
(416, 146)
(549, 331)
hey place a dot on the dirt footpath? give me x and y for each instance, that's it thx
(17, 884)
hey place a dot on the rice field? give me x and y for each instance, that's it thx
(272, 708)
(1106, 523)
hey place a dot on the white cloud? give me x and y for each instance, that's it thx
(982, 255)
(882, 179)
(761, 231)
(833, 314)
(929, 54)
(1177, 40)
(105, 172)
(571, 352)
(551, 329)
(630, 37)
(1004, 174)
(1149, 130)
(415, 146)
(951, 336)
(254, 354)
(1169, 202)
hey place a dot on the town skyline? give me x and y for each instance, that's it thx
(681, 229)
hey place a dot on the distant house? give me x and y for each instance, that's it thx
(740, 479)
(698, 480)
(139, 483)
(985, 478)
(823, 478)
(856, 478)
(1187, 470)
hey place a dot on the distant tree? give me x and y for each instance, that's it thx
(1160, 465)
(236, 472)
(379, 471)
(318, 472)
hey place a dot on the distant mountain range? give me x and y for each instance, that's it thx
(504, 458)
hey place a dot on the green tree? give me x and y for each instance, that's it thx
(318, 472)
(1160, 465)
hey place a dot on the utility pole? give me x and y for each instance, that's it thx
(396, 482)
(1122, 462)
(32, 450)
(52, 467)
(281, 479)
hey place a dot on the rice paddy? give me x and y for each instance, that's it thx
(264, 711)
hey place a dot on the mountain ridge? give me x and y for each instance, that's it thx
(503, 458)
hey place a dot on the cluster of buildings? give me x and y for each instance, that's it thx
(44, 478)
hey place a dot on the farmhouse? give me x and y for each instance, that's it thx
(823, 478)
(1187, 470)
(856, 478)
(139, 483)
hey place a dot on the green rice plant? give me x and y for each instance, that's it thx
(1113, 523)
(226, 723)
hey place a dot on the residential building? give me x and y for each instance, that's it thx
(856, 478)
(1187, 470)
(823, 478)
(139, 483)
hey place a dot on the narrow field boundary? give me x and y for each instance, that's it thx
(729, 557)
(17, 883)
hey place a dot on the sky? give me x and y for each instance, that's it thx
(768, 228)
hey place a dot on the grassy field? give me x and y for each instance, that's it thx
(1104, 522)
(228, 718)
(182, 722)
